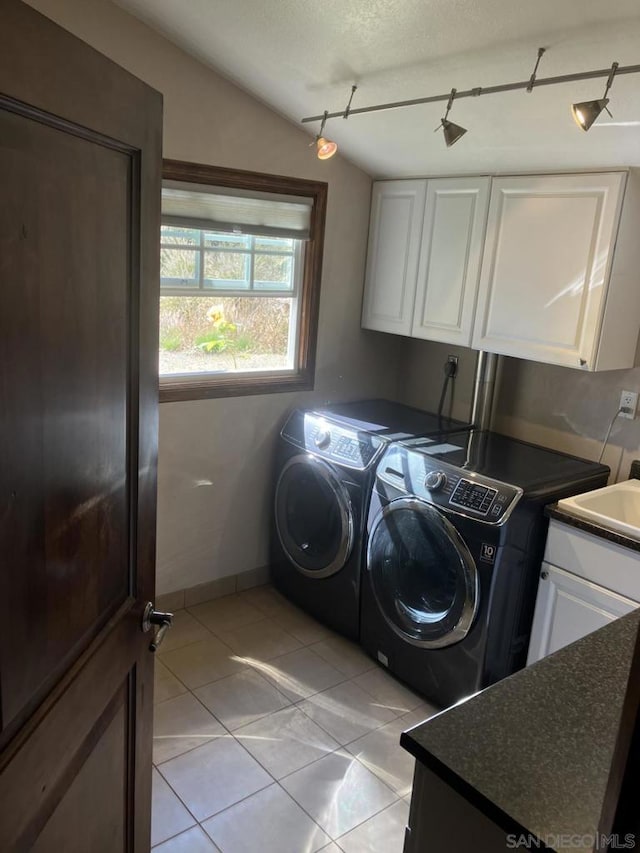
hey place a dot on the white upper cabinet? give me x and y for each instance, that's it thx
(552, 288)
(551, 274)
(397, 213)
(423, 263)
(450, 255)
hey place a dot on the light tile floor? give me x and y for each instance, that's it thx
(274, 734)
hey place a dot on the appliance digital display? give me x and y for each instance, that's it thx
(353, 450)
(473, 496)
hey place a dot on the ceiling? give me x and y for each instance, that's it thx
(302, 56)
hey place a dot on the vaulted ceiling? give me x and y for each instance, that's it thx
(302, 56)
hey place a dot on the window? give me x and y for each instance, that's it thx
(240, 265)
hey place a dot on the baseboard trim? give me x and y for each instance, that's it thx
(213, 589)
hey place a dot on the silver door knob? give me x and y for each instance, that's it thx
(152, 618)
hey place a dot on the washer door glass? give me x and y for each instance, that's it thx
(423, 576)
(314, 517)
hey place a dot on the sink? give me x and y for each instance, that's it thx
(615, 507)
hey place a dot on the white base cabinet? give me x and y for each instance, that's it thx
(568, 608)
(585, 582)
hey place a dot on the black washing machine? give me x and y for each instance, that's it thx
(325, 468)
(456, 534)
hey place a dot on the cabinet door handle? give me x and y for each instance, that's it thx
(544, 575)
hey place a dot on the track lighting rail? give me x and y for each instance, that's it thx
(476, 92)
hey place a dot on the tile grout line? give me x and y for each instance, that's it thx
(228, 732)
(390, 805)
(354, 758)
(261, 618)
(172, 789)
(278, 618)
(274, 781)
(292, 704)
(373, 729)
(272, 777)
(212, 636)
(302, 808)
(220, 639)
(248, 666)
(232, 734)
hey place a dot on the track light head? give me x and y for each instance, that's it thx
(586, 112)
(452, 132)
(325, 148)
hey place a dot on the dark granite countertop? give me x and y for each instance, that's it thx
(539, 747)
(565, 517)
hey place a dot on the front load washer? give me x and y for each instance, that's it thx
(325, 467)
(456, 533)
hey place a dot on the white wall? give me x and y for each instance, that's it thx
(567, 410)
(215, 456)
(422, 375)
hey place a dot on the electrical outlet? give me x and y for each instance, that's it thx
(628, 404)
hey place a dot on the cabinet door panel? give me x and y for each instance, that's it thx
(397, 211)
(452, 241)
(568, 608)
(546, 266)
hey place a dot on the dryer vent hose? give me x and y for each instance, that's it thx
(483, 390)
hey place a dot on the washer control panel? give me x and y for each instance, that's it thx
(409, 471)
(352, 449)
(344, 445)
(472, 495)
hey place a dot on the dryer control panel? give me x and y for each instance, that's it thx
(337, 443)
(409, 470)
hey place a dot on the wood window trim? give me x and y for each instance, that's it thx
(302, 378)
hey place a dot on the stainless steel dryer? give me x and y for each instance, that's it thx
(456, 533)
(325, 468)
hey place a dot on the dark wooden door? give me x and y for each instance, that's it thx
(80, 163)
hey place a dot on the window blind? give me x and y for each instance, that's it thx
(219, 209)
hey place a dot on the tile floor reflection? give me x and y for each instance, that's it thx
(273, 734)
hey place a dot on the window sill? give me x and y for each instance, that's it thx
(206, 388)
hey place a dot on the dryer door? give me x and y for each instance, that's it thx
(314, 517)
(423, 576)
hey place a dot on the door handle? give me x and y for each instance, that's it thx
(151, 618)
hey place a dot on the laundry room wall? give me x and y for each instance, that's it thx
(215, 464)
(422, 374)
(561, 408)
(569, 410)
